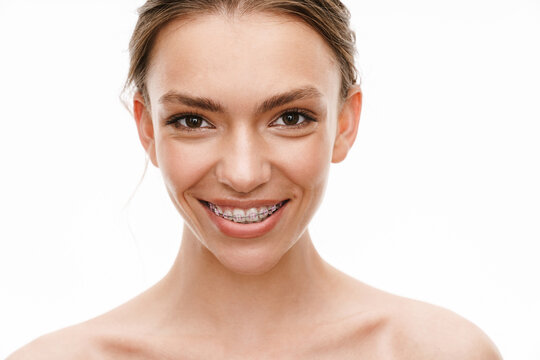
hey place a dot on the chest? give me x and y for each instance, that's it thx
(342, 340)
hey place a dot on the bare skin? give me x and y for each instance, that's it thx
(355, 321)
(266, 295)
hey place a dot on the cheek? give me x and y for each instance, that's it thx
(182, 164)
(306, 162)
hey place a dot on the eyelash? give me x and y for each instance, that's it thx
(174, 120)
(307, 116)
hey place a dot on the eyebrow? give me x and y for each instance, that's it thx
(198, 102)
(267, 105)
(288, 97)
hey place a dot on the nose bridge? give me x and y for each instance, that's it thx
(244, 164)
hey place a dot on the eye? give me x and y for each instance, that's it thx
(189, 122)
(294, 118)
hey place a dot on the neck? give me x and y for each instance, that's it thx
(200, 287)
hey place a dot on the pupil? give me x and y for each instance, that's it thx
(193, 122)
(290, 119)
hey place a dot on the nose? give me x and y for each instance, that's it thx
(244, 164)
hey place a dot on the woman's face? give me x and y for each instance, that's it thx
(242, 122)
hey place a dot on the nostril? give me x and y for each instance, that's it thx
(243, 174)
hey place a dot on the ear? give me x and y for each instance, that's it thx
(141, 112)
(347, 127)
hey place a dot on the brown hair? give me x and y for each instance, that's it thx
(330, 18)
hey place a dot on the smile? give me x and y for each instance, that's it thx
(244, 216)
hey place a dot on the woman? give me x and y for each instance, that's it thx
(243, 105)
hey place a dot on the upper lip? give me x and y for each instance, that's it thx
(243, 204)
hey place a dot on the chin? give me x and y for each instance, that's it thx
(249, 261)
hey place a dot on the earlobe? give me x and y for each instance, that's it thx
(347, 126)
(141, 113)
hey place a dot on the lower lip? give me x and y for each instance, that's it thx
(245, 231)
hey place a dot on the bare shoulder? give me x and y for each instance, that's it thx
(394, 327)
(105, 337)
(423, 331)
(73, 342)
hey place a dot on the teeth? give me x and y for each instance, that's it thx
(227, 214)
(263, 213)
(238, 215)
(252, 215)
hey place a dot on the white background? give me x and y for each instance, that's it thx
(438, 200)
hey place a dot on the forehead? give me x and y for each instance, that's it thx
(241, 58)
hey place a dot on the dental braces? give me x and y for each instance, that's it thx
(252, 217)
